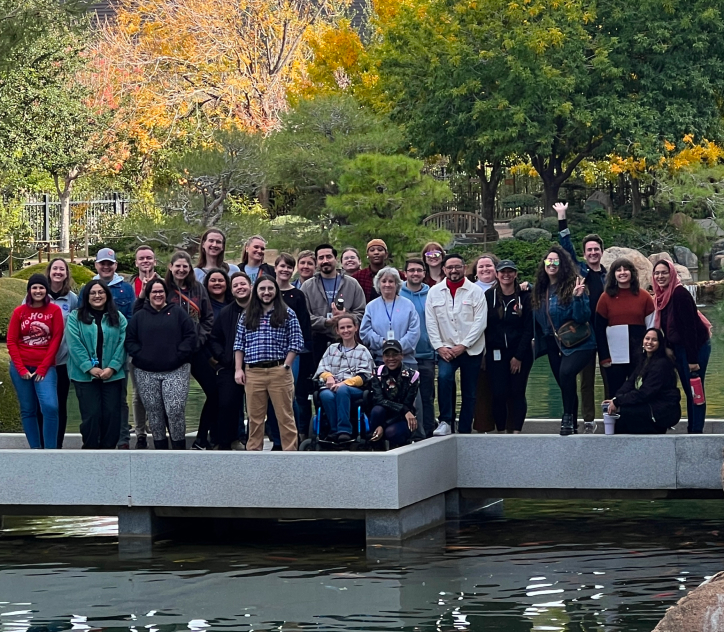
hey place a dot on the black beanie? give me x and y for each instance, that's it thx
(38, 279)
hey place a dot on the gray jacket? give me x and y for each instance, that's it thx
(349, 290)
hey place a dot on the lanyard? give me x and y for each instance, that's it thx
(389, 316)
(334, 292)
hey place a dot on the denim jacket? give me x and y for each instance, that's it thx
(578, 310)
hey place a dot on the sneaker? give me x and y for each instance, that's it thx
(443, 429)
(237, 445)
(276, 448)
(197, 446)
(589, 427)
(141, 443)
(343, 437)
(123, 446)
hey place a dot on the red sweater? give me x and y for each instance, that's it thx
(34, 335)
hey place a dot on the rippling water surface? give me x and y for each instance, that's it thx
(574, 566)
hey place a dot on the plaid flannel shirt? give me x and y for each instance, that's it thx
(269, 343)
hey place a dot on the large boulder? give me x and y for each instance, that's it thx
(603, 198)
(659, 256)
(716, 261)
(684, 273)
(717, 275)
(643, 266)
(702, 610)
(685, 257)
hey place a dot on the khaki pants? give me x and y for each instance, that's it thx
(277, 384)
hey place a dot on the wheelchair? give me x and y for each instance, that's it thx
(319, 439)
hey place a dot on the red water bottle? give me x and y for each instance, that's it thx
(697, 389)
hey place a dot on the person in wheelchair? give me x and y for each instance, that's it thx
(394, 388)
(343, 371)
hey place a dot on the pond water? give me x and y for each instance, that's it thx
(580, 566)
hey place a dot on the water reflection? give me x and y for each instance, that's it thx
(580, 566)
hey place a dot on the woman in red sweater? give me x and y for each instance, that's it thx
(34, 335)
(623, 315)
(688, 334)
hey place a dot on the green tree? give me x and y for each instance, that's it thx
(304, 158)
(48, 123)
(556, 82)
(386, 197)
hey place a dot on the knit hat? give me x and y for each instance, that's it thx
(376, 242)
(38, 279)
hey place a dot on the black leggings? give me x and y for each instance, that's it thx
(637, 420)
(616, 375)
(204, 374)
(231, 404)
(565, 369)
(508, 389)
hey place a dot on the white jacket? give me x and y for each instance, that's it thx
(457, 322)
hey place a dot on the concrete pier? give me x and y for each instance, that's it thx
(399, 494)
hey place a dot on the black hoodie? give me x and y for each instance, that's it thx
(160, 340)
(223, 334)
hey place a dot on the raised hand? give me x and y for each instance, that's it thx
(560, 208)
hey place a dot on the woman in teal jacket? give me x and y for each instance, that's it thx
(96, 334)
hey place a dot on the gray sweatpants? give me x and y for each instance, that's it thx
(164, 398)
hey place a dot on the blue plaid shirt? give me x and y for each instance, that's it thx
(267, 342)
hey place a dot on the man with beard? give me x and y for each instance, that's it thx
(330, 292)
(456, 314)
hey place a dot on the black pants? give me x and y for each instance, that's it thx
(320, 343)
(100, 412)
(616, 375)
(637, 420)
(231, 403)
(204, 374)
(303, 389)
(426, 369)
(508, 389)
(565, 368)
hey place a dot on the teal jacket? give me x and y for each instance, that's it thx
(82, 342)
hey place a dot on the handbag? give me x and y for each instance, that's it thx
(570, 334)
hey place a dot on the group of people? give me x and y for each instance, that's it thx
(256, 333)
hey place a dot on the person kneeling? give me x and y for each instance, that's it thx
(649, 401)
(394, 388)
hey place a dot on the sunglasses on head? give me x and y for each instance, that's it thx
(552, 262)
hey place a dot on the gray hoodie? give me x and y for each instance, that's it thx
(349, 290)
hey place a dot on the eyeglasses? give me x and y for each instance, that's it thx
(552, 262)
(415, 271)
(453, 268)
(433, 254)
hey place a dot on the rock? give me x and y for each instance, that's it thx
(603, 198)
(643, 265)
(685, 257)
(702, 610)
(659, 256)
(717, 275)
(710, 226)
(716, 261)
(684, 274)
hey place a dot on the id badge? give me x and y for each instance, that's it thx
(496, 355)
(329, 315)
(390, 334)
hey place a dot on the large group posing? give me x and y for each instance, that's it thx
(270, 340)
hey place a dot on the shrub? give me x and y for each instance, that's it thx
(550, 224)
(522, 222)
(520, 200)
(81, 275)
(10, 419)
(526, 255)
(533, 234)
(12, 292)
(469, 252)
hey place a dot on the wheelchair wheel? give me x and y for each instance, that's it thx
(306, 446)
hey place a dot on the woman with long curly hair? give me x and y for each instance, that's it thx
(559, 297)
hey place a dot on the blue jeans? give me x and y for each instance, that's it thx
(337, 407)
(32, 394)
(695, 414)
(469, 368)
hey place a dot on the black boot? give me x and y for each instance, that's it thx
(178, 445)
(567, 425)
(161, 445)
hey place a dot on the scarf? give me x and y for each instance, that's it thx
(662, 296)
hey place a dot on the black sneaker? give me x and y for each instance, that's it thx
(197, 446)
(276, 448)
(141, 443)
(343, 437)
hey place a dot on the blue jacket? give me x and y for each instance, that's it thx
(578, 309)
(405, 324)
(424, 350)
(122, 293)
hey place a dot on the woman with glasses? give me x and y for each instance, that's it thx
(351, 261)
(432, 255)
(560, 298)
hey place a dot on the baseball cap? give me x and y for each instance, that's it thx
(106, 254)
(506, 263)
(391, 345)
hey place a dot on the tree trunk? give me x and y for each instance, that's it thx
(551, 188)
(64, 196)
(635, 197)
(488, 191)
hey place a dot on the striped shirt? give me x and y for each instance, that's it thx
(345, 363)
(269, 343)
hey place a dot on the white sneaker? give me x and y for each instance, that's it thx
(589, 427)
(443, 429)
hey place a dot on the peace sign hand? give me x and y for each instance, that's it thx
(580, 286)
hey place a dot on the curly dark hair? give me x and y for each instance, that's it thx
(612, 284)
(566, 279)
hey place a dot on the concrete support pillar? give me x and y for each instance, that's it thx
(395, 525)
(137, 529)
(458, 505)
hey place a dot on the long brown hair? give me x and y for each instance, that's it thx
(190, 279)
(220, 263)
(255, 309)
(245, 256)
(612, 284)
(66, 284)
(566, 279)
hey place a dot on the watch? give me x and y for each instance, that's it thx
(287, 367)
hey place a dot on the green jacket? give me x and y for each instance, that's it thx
(82, 341)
